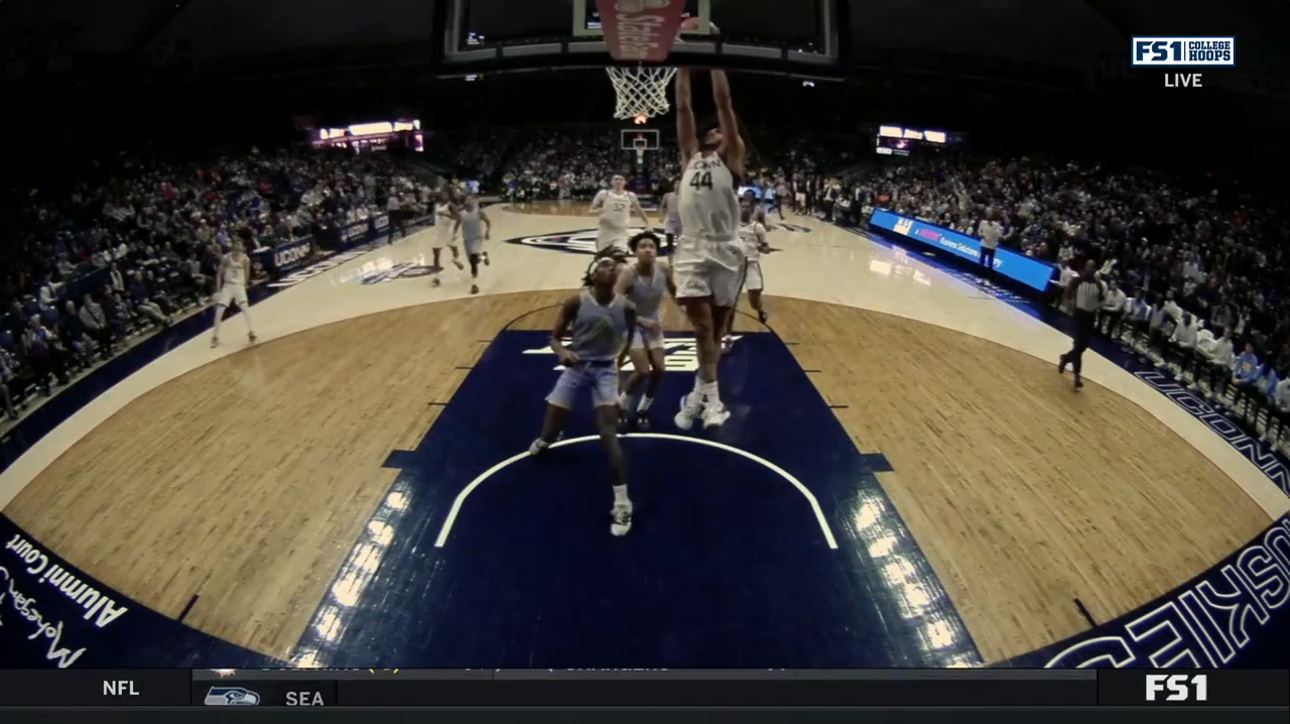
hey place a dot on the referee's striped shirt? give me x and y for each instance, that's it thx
(1088, 293)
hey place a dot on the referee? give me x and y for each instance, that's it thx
(1088, 292)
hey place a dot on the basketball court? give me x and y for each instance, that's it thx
(905, 481)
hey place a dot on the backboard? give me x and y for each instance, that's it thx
(796, 37)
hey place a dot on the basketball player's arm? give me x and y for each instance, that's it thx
(597, 203)
(668, 278)
(759, 234)
(732, 146)
(246, 269)
(219, 275)
(568, 311)
(687, 137)
(488, 225)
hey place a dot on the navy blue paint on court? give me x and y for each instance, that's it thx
(726, 566)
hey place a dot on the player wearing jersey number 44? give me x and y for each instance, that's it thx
(708, 263)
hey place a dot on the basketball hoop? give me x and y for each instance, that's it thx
(641, 90)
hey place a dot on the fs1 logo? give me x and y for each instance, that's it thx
(1184, 52)
(1180, 687)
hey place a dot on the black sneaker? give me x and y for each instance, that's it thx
(641, 421)
(762, 316)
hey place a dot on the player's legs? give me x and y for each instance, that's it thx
(224, 298)
(244, 306)
(646, 354)
(692, 270)
(474, 254)
(754, 283)
(604, 394)
(558, 404)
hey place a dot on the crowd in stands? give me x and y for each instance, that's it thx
(1198, 278)
(575, 165)
(85, 269)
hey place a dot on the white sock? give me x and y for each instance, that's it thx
(645, 403)
(710, 392)
(622, 400)
(698, 383)
(247, 314)
(620, 495)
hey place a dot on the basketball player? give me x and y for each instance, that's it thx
(671, 214)
(614, 207)
(709, 259)
(643, 282)
(781, 194)
(476, 228)
(445, 220)
(232, 277)
(758, 209)
(753, 235)
(601, 320)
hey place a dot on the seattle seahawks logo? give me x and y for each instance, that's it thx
(584, 241)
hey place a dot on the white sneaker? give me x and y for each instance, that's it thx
(622, 515)
(538, 447)
(691, 406)
(714, 414)
(214, 342)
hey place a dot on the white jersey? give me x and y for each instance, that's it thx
(443, 219)
(709, 200)
(615, 208)
(752, 235)
(234, 271)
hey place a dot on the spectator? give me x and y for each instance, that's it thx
(1113, 309)
(95, 322)
(8, 372)
(1244, 374)
(1182, 344)
(1217, 354)
(45, 354)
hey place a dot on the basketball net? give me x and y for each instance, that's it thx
(640, 90)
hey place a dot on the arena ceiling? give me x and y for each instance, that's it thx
(1090, 35)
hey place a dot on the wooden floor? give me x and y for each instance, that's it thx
(1016, 519)
(247, 480)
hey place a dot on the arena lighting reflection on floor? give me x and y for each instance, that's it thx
(356, 575)
(883, 541)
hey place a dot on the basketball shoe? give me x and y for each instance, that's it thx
(691, 408)
(622, 515)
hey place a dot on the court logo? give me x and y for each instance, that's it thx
(680, 354)
(386, 271)
(1205, 624)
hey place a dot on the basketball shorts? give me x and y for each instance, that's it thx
(601, 377)
(612, 238)
(473, 246)
(231, 293)
(753, 281)
(642, 339)
(705, 268)
(442, 237)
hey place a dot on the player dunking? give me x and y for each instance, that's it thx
(445, 221)
(232, 277)
(643, 282)
(753, 235)
(614, 207)
(601, 320)
(709, 261)
(671, 213)
(476, 228)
